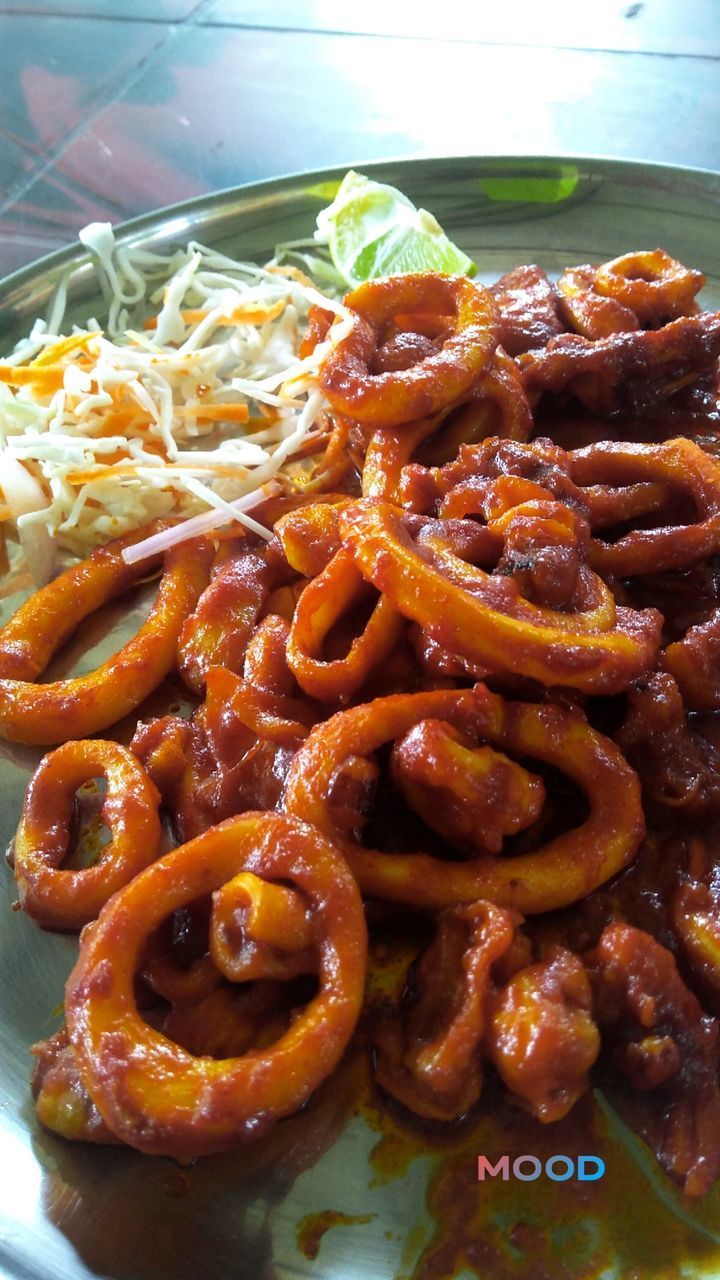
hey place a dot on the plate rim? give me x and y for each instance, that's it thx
(74, 253)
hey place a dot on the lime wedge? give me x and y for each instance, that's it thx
(372, 229)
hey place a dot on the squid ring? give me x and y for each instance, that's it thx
(260, 930)
(485, 619)
(433, 1064)
(390, 398)
(560, 872)
(322, 602)
(650, 283)
(156, 1096)
(67, 899)
(693, 663)
(644, 468)
(44, 714)
(496, 406)
(217, 632)
(391, 448)
(309, 537)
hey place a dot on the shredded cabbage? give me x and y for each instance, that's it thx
(188, 403)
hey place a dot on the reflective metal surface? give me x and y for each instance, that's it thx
(69, 1212)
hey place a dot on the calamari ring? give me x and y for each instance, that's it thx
(154, 1095)
(693, 662)
(217, 632)
(443, 545)
(678, 465)
(626, 372)
(542, 1038)
(473, 796)
(309, 537)
(61, 898)
(433, 1063)
(502, 386)
(266, 700)
(599, 648)
(266, 665)
(260, 930)
(61, 1102)
(322, 603)
(44, 714)
(388, 399)
(650, 283)
(178, 983)
(496, 406)
(228, 1021)
(494, 468)
(562, 871)
(608, 506)
(391, 448)
(696, 924)
(587, 311)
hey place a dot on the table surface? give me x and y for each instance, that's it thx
(110, 108)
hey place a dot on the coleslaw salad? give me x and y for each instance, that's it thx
(191, 415)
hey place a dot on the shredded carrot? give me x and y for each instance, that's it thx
(47, 380)
(56, 350)
(90, 474)
(187, 317)
(255, 315)
(292, 273)
(5, 513)
(240, 315)
(118, 421)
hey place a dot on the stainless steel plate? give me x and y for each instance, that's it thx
(70, 1212)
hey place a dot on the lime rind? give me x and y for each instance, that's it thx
(361, 211)
(372, 230)
(406, 248)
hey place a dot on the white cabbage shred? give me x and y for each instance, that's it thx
(105, 429)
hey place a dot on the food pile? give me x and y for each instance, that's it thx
(464, 663)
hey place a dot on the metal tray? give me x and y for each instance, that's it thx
(69, 1212)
